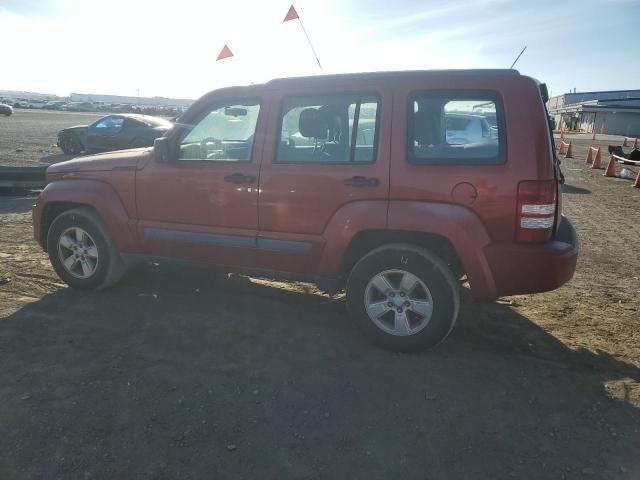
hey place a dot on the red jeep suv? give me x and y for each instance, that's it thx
(389, 185)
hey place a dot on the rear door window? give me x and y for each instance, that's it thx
(455, 127)
(328, 129)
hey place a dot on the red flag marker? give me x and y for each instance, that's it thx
(224, 53)
(291, 14)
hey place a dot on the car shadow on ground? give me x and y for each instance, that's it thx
(572, 189)
(16, 200)
(57, 158)
(183, 372)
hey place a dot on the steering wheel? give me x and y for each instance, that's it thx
(206, 141)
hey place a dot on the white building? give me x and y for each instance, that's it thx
(615, 112)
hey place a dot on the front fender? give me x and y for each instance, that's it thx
(80, 132)
(96, 194)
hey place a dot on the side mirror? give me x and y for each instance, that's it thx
(162, 150)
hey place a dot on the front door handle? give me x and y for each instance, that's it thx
(240, 178)
(360, 181)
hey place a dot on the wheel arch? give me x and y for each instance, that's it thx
(98, 196)
(368, 240)
(451, 230)
(54, 209)
(76, 133)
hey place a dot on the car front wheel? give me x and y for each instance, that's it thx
(71, 145)
(403, 297)
(81, 252)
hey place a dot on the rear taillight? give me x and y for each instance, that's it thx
(536, 211)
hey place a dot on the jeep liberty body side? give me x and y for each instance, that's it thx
(360, 182)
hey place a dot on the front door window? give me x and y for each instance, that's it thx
(225, 133)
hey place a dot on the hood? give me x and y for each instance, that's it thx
(118, 160)
(75, 127)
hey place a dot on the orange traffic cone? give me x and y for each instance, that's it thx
(589, 155)
(637, 183)
(569, 152)
(597, 160)
(611, 167)
(561, 151)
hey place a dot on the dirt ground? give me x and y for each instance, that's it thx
(183, 373)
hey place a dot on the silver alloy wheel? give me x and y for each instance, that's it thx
(398, 302)
(78, 252)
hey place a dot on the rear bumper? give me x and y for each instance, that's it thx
(520, 268)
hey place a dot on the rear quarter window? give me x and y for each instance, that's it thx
(459, 127)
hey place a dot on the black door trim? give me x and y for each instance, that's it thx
(200, 237)
(284, 245)
(239, 241)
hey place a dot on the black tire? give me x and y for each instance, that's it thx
(430, 270)
(65, 145)
(71, 145)
(109, 267)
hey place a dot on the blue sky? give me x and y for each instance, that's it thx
(117, 47)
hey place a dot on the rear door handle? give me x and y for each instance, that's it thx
(360, 181)
(240, 178)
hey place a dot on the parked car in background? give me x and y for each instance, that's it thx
(5, 109)
(54, 105)
(462, 129)
(349, 181)
(113, 132)
(30, 103)
(78, 107)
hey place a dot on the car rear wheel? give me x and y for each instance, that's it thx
(81, 252)
(403, 297)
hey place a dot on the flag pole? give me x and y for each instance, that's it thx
(310, 44)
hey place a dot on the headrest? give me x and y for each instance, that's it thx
(312, 125)
(429, 126)
(421, 131)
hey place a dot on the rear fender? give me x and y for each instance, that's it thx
(345, 223)
(461, 227)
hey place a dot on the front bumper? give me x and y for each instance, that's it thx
(522, 268)
(36, 215)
